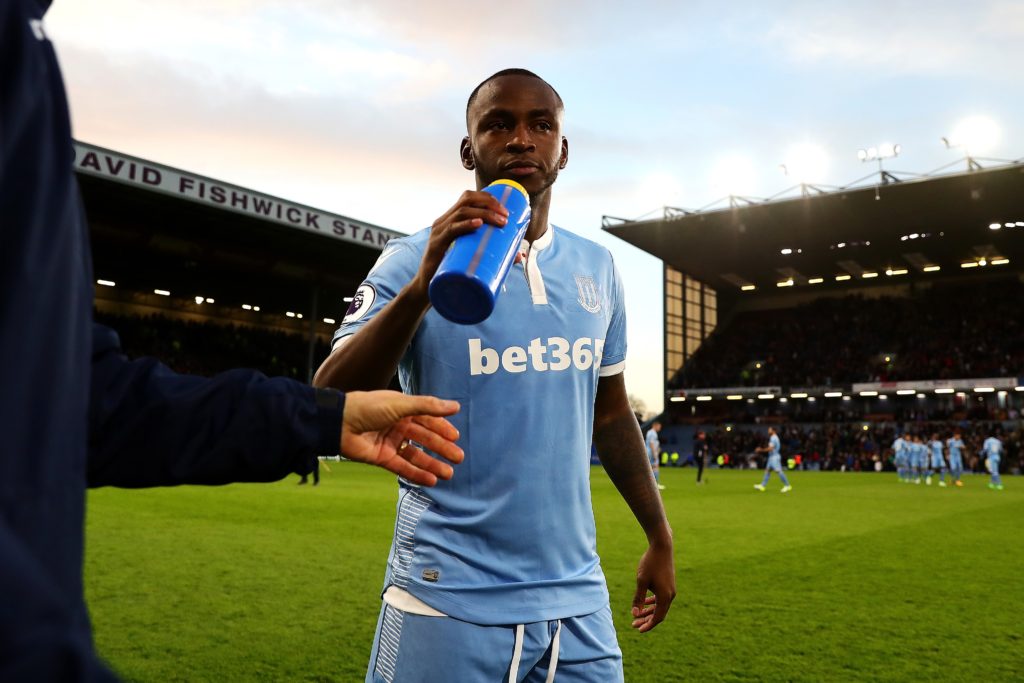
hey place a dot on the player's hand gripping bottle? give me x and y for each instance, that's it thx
(465, 287)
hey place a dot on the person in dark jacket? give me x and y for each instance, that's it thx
(701, 451)
(75, 413)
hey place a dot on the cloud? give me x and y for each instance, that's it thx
(941, 38)
(349, 156)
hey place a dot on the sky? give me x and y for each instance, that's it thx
(337, 104)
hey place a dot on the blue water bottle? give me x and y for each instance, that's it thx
(465, 287)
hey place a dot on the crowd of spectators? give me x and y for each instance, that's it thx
(847, 447)
(968, 406)
(942, 332)
(206, 348)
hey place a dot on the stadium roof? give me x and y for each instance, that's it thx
(154, 226)
(893, 226)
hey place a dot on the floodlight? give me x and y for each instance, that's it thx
(975, 134)
(805, 162)
(105, 283)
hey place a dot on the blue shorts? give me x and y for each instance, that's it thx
(938, 463)
(412, 648)
(956, 464)
(774, 463)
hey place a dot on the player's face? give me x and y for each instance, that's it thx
(515, 132)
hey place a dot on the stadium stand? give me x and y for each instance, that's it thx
(944, 332)
(207, 348)
(851, 447)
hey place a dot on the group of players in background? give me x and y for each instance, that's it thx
(914, 457)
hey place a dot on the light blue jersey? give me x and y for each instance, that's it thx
(898, 450)
(937, 460)
(774, 447)
(922, 453)
(955, 447)
(992, 448)
(653, 445)
(511, 537)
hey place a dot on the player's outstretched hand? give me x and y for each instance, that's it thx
(472, 210)
(377, 428)
(656, 574)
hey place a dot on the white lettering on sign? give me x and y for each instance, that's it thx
(96, 161)
(556, 355)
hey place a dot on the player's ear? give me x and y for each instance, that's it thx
(466, 152)
(563, 158)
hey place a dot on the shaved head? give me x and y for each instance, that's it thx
(508, 72)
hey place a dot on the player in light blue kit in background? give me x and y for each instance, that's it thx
(919, 453)
(654, 451)
(899, 452)
(992, 449)
(956, 463)
(938, 463)
(774, 450)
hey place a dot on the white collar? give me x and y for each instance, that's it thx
(542, 242)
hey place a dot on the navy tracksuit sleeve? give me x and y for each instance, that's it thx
(150, 426)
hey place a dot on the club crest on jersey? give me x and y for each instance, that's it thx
(589, 297)
(361, 303)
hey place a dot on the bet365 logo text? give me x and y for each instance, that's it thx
(556, 355)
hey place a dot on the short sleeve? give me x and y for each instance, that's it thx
(613, 359)
(395, 268)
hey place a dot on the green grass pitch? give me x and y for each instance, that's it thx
(851, 577)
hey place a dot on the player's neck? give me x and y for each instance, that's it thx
(538, 216)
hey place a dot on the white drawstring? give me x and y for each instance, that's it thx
(517, 654)
(554, 655)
